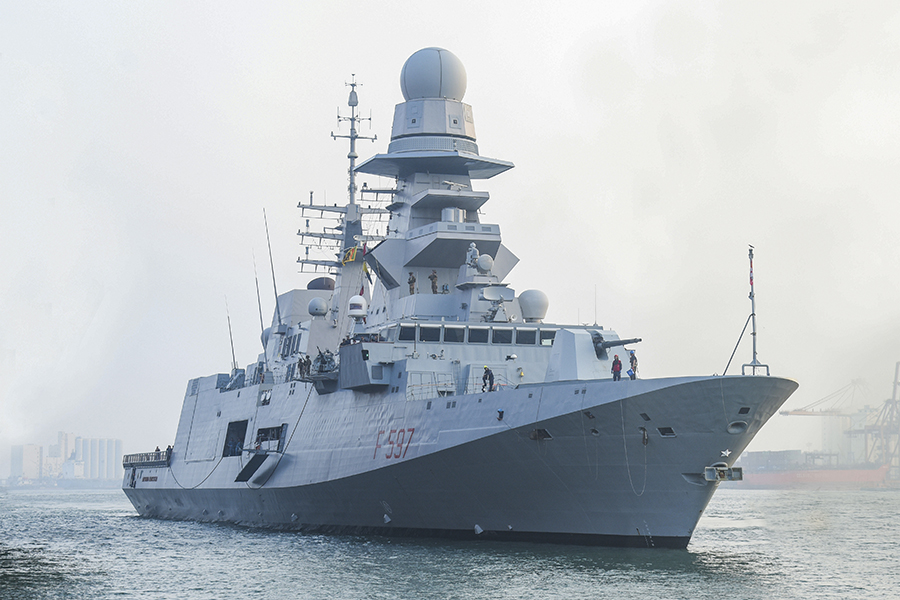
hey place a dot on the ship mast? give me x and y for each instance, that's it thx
(349, 274)
(353, 225)
(753, 364)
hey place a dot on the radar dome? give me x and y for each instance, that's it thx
(358, 307)
(318, 307)
(534, 304)
(433, 73)
(485, 263)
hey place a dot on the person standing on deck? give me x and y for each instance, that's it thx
(487, 380)
(412, 283)
(617, 368)
(433, 277)
(633, 359)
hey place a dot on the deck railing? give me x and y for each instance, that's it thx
(147, 459)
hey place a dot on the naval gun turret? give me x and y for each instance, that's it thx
(602, 345)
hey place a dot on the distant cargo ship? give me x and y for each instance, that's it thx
(861, 447)
(863, 477)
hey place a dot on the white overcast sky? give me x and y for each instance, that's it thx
(653, 141)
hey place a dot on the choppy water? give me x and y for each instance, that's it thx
(750, 544)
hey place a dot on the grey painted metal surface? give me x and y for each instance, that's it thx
(377, 415)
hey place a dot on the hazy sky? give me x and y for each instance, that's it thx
(140, 141)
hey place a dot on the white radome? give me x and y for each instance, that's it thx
(318, 307)
(433, 73)
(534, 304)
(358, 306)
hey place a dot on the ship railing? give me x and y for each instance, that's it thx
(441, 385)
(475, 385)
(446, 386)
(147, 459)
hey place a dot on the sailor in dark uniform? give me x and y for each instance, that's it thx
(487, 380)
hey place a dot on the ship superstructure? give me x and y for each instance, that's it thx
(408, 390)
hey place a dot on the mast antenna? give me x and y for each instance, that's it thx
(262, 328)
(272, 265)
(753, 364)
(354, 119)
(234, 365)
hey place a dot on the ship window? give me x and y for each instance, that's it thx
(454, 335)
(478, 335)
(666, 431)
(744, 410)
(547, 336)
(470, 228)
(502, 336)
(429, 333)
(408, 333)
(526, 336)
(270, 438)
(234, 438)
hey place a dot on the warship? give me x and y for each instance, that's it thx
(409, 391)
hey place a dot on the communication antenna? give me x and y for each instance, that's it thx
(234, 364)
(354, 118)
(753, 364)
(262, 328)
(272, 265)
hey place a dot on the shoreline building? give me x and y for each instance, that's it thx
(71, 458)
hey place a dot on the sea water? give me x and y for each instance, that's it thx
(749, 544)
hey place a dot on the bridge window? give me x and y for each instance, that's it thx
(234, 438)
(547, 337)
(429, 333)
(478, 335)
(408, 333)
(454, 335)
(526, 336)
(502, 336)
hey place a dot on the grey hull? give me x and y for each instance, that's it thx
(593, 481)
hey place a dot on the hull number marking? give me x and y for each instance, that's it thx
(396, 438)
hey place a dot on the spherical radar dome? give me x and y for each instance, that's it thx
(318, 307)
(433, 73)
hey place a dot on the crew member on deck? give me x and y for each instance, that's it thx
(412, 283)
(633, 359)
(433, 277)
(487, 380)
(617, 368)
